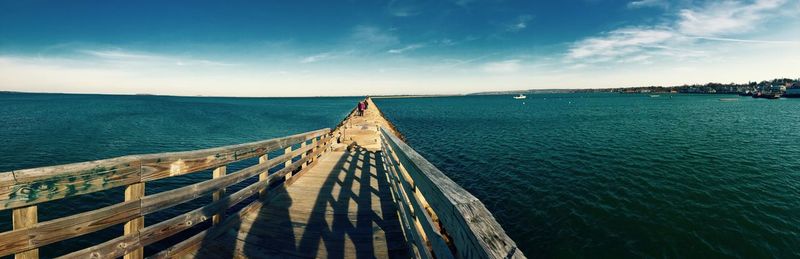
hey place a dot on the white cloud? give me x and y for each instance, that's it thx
(371, 35)
(727, 17)
(317, 58)
(620, 43)
(520, 23)
(682, 38)
(648, 3)
(325, 56)
(447, 42)
(406, 48)
(501, 67)
(636, 59)
(119, 56)
(783, 42)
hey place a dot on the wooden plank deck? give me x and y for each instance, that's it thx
(342, 207)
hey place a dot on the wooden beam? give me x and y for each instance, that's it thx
(21, 190)
(159, 231)
(313, 143)
(134, 192)
(113, 248)
(48, 232)
(23, 218)
(180, 163)
(302, 145)
(192, 244)
(27, 187)
(170, 227)
(167, 199)
(263, 176)
(465, 221)
(303, 155)
(288, 162)
(219, 172)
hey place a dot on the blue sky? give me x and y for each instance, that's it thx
(303, 48)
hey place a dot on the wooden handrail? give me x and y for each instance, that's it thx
(192, 242)
(445, 220)
(56, 182)
(32, 186)
(159, 231)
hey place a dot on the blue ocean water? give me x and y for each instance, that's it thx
(567, 175)
(50, 129)
(615, 175)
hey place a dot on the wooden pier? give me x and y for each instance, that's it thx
(358, 191)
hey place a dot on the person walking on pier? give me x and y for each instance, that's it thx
(361, 108)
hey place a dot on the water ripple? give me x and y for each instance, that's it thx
(621, 175)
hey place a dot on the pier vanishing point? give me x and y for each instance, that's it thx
(357, 191)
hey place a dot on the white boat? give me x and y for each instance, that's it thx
(520, 96)
(654, 96)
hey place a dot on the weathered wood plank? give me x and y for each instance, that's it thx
(471, 227)
(242, 194)
(405, 210)
(160, 166)
(23, 218)
(185, 221)
(157, 232)
(192, 244)
(288, 162)
(201, 214)
(320, 227)
(134, 193)
(48, 232)
(219, 172)
(424, 220)
(263, 176)
(313, 143)
(113, 248)
(32, 186)
(154, 233)
(177, 196)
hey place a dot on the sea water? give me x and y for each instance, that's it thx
(621, 175)
(566, 175)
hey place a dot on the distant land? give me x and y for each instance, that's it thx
(779, 85)
(709, 88)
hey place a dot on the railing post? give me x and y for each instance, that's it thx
(303, 155)
(219, 172)
(22, 218)
(134, 192)
(313, 149)
(288, 162)
(263, 176)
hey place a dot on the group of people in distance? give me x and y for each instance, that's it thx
(361, 107)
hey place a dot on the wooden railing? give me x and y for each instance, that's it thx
(440, 219)
(22, 190)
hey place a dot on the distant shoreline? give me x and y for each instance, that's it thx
(709, 88)
(534, 92)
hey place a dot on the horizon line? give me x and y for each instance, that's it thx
(489, 92)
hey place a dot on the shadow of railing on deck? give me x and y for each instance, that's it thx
(328, 228)
(225, 244)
